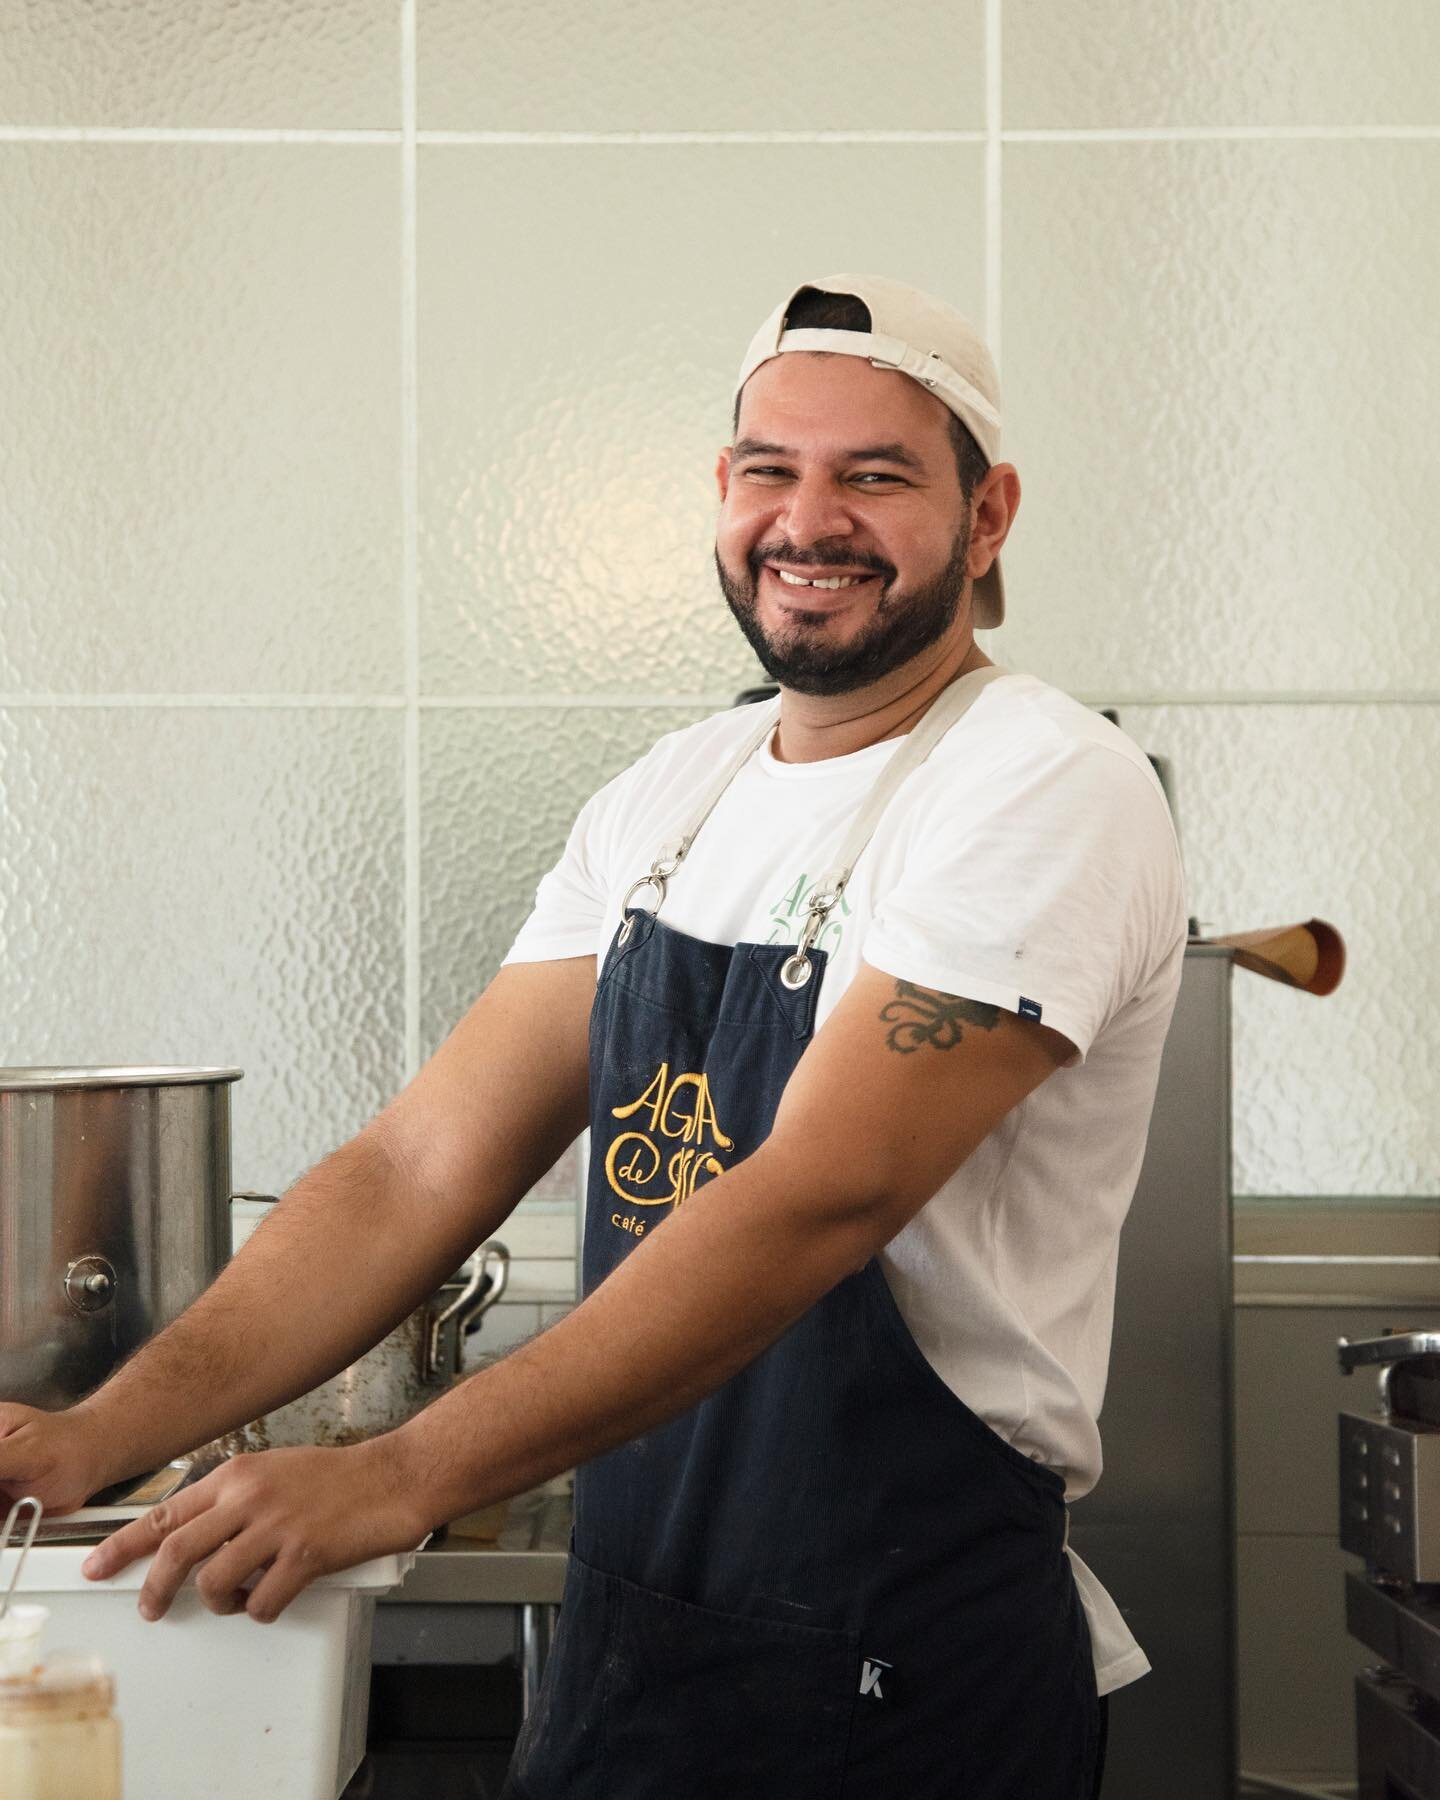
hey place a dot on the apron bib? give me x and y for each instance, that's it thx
(830, 1580)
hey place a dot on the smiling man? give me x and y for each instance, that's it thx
(788, 599)
(854, 1196)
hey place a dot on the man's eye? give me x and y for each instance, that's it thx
(766, 472)
(880, 475)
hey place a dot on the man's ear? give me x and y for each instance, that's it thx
(996, 504)
(722, 472)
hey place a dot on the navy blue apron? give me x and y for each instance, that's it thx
(830, 1580)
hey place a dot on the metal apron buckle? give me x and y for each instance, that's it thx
(797, 969)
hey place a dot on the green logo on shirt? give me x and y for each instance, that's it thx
(787, 916)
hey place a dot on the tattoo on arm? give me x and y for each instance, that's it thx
(920, 1015)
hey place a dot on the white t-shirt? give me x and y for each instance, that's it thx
(1029, 862)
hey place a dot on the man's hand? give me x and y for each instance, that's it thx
(284, 1516)
(56, 1456)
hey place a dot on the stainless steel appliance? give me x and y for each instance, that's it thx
(1390, 1516)
(396, 1378)
(114, 1216)
(1159, 1529)
(458, 1653)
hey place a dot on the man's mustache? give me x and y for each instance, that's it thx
(817, 553)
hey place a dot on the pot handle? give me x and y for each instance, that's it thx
(477, 1297)
(495, 1258)
(1402, 1344)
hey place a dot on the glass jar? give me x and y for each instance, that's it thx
(59, 1737)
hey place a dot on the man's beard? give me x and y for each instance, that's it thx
(904, 624)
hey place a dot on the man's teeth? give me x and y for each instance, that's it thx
(821, 581)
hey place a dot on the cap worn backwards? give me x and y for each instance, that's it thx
(921, 337)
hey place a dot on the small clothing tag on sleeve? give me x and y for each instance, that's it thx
(1029, 1009)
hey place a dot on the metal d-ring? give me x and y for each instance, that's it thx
(796, 970)
(656, 880)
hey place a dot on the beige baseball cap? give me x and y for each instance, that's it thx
(921, 337)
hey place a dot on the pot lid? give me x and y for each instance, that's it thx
(19, 1080)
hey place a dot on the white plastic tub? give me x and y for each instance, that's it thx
(225, 1707)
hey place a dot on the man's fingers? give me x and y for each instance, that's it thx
(145, 1535)
(290, 1574)
(279, 1519)
(18, 1461)
(178, 1554)
(45, 1454)
(221, 1582)
(120, 1549)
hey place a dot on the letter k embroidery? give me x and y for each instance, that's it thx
(871, 1669)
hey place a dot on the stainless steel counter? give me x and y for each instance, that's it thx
(468, 1602)
(524, 1566)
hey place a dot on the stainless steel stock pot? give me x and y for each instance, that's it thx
(396, 1378)
(114, 1216)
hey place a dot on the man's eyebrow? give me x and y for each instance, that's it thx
(893, 453)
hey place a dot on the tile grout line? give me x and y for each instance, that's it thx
(1104, 134)
(1142, 134)
(992, 203)
(239, 702)
(410, 514)
(547, 702)
(994, 181)
(568, 139)
(523, 702)
(1220, 134)
(188, 134)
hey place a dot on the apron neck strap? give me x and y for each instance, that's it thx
(945, 710)
(674, 851)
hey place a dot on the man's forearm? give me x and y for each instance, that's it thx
(339, 1263)
(692, 1305)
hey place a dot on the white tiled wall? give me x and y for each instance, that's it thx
(365, 370)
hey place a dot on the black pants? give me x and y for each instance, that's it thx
(1100, 1753)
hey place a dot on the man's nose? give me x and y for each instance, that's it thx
(815, 508)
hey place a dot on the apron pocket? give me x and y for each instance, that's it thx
(714, 1706)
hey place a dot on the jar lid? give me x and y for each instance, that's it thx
(67, 1687)
(21, 1630)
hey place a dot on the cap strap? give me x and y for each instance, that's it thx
(894, 353)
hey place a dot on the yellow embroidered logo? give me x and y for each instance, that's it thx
(675, 1109)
